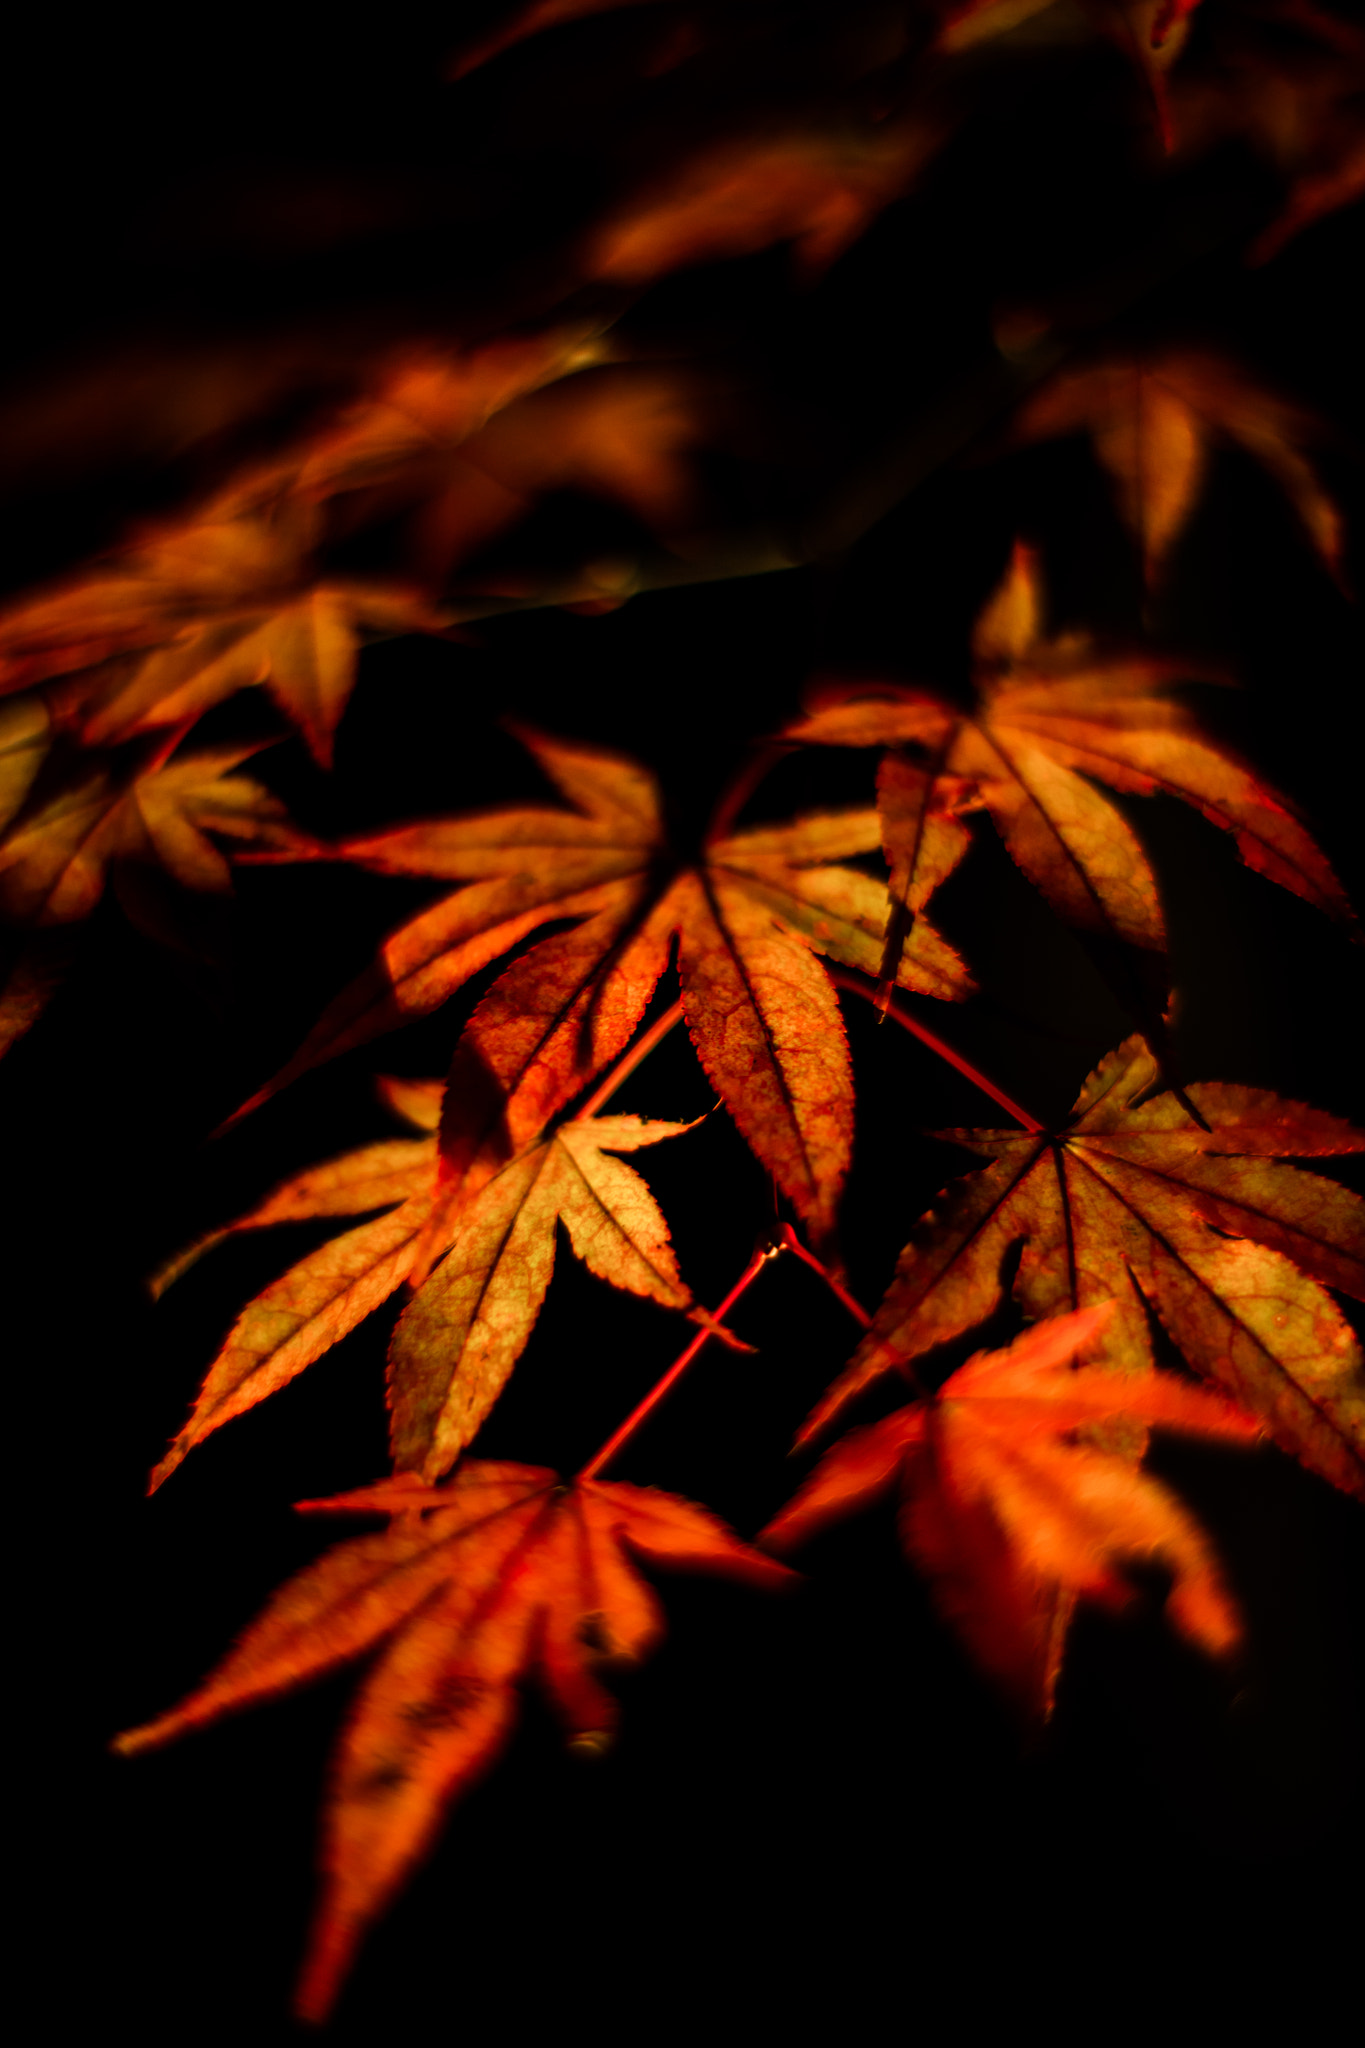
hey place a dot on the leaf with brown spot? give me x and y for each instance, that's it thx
(1011, 1519)
(1132, 1201)
(500, 1575)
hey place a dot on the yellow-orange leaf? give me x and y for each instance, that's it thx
(1133, 1201)
(462, 1333)
(476, 1585)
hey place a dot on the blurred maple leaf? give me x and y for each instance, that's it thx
(1050, 715)
(1132, 1201)
(1290, 81)
(762, 1013)
(120, 819)
(1154, 420)
(1011, 1519)
(620, 432)
(460, 1337)
(819, 191)
(500, 1574)
(222, 601)
(1150, 34)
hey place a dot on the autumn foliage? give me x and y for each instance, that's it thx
(1168, 1255)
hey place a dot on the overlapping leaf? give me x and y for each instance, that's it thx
(762, 1013)
(186, 615)
(502, 1574)
(104, 816)
(818, 190)
(1051, 719)
(1154, 421)
(1133, 1201)
(1011, 1519)
(463, 1332)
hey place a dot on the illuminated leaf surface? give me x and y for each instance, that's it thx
(762, 1014)
(1051, 719)
(1132, 1201)
(1011, 1519)
(501, 1575)
(463, 1332)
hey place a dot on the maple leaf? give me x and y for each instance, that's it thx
(189, 613)
(102, 817)
(762, 1014)
(432, 400)
(1011, 1519)
(1133, 1201)
(460, 1337)
(499, 1575)
(619, 432)
(819, 191)
(1149, 34)
(1049, 716)
(1154, 420)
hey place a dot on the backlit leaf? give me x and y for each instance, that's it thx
(500, 1575)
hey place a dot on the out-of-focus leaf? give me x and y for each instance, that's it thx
(1011, 1519)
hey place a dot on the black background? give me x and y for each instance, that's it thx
(815, 1807)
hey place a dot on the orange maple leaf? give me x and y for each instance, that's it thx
(1154, 420)
(126, 818)
(748, 916)
(1049, 716)
(463, 1332)
(1133, 1201)
(1011, 1519)
(819, 191)
(499, 1575)
(186, 614)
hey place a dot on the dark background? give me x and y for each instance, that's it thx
(815, 1808)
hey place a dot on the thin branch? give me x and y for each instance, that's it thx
(942, 1048)
(855, 1308)
(760, 760)
(657, 1392)
(630, 1060)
